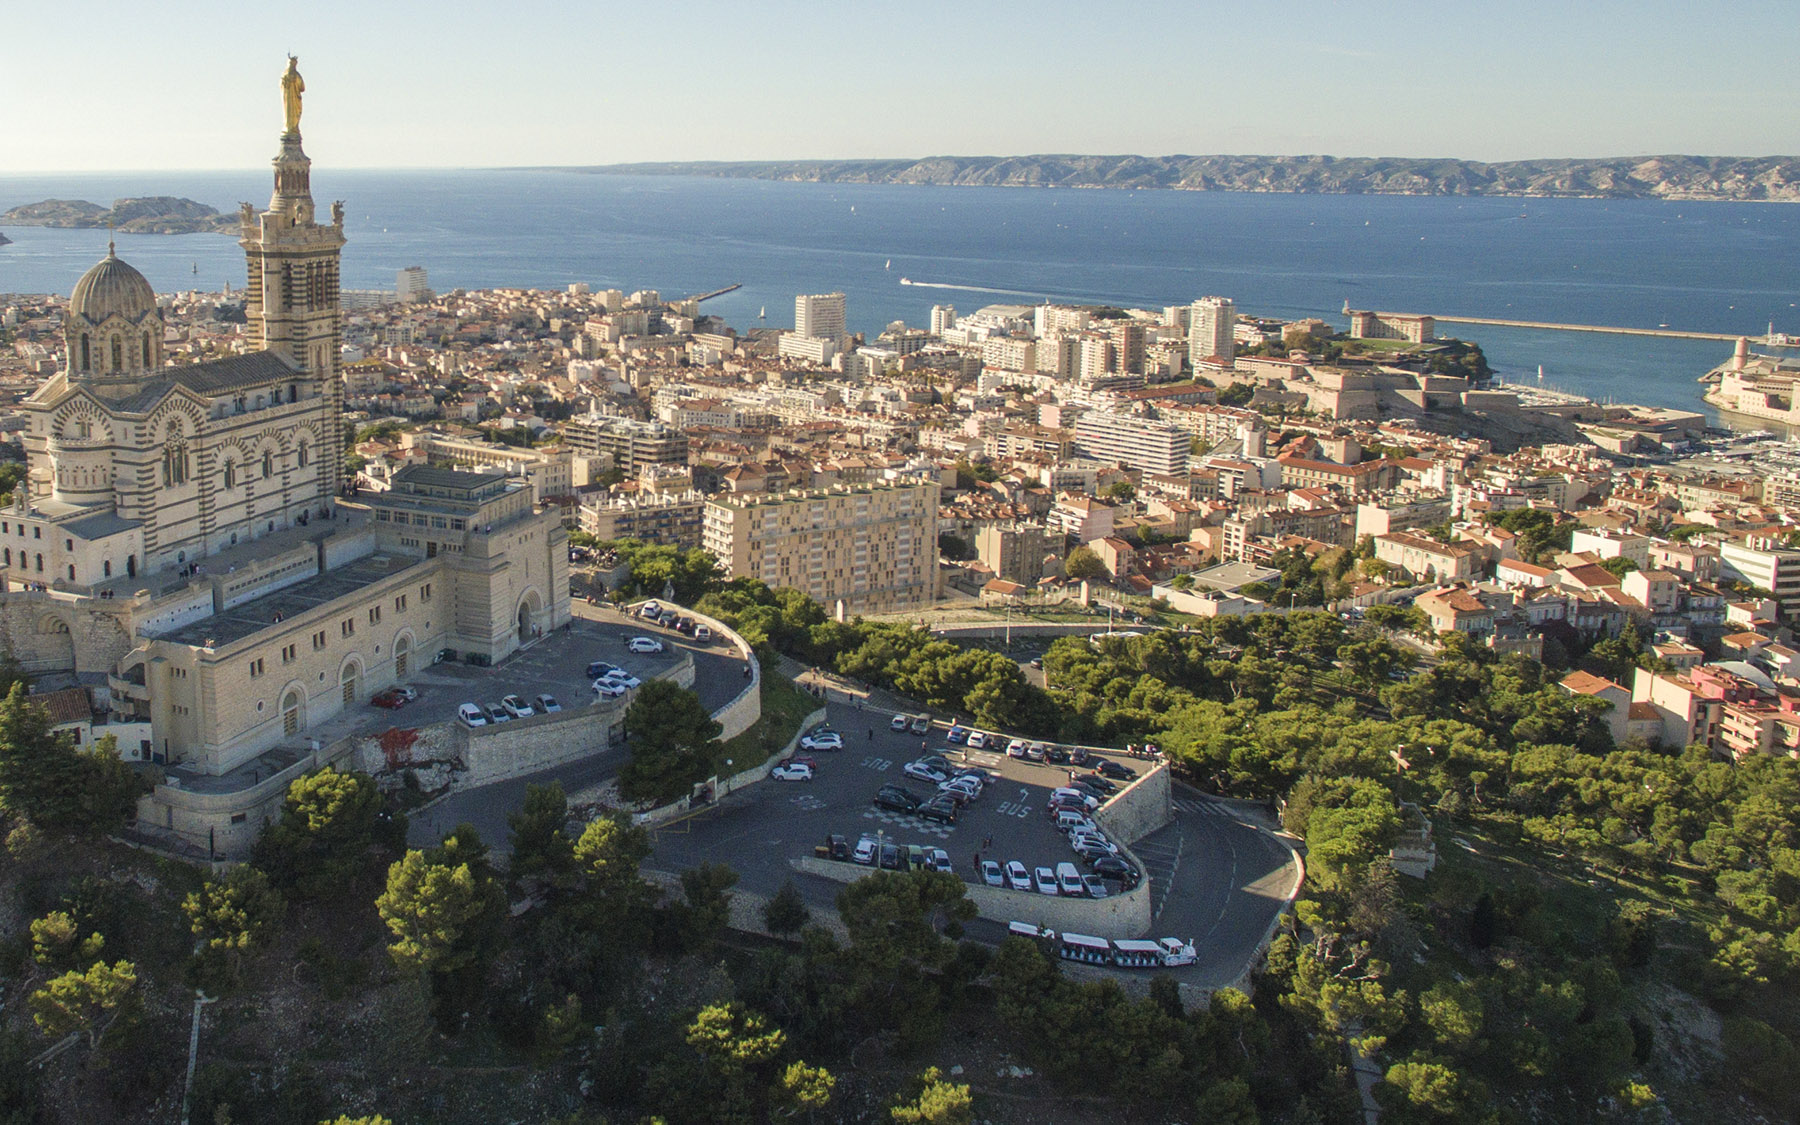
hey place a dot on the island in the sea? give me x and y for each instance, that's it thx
(153, 214)
(1772, 178)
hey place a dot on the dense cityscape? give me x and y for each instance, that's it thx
(1051, 712)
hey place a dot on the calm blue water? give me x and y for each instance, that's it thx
(1716, 267)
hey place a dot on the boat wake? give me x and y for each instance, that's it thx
(970, 288)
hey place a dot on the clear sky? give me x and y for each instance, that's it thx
(90, 85)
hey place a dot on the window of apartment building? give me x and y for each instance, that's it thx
(347, 627)
(400, 604)
(425, 592)
(68, 544)
(37, 533)
(256, 667)
(318, 640)
(288, 652)
(374, 615)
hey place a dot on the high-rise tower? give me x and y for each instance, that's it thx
(292, 262)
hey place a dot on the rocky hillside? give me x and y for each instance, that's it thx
(154, 214)
(1648, 177)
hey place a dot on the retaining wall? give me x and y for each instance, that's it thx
(1119, 916)
(676, 809)
(745, 708)
(1138, 809)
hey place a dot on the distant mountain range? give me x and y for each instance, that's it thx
(1774, 178)
(153, 214)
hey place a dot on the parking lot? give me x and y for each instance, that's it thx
(762, 828)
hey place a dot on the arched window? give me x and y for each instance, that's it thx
(301, 455)
(40, 564)
(293, 392)
(106, 567)
(9, 556)
(268, 465)
(85, 366)
(146, 349)
(71, 572)
(230, 475)
(175, 466)
(118, 353)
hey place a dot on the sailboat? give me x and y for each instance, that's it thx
(196, 267)
(890, 265)
(762, 313)
(1540, 372)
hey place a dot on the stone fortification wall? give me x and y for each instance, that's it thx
(48, 631)
(745, 708)
(1138, 809)
(1119, 916)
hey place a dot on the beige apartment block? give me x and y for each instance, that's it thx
(866, 549)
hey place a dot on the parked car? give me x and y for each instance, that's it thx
(1037, 751)
(834, 847)
(598, 668)
(896, 799)
(702, 635)
(1077, 795)
(547, 704)
(624, 679)
(956, 735)
(1045, 880)
(1068, 880)
(1070, 821)
(940, 808)
(822, 739)
(517, 707)
(968, 787)
(991, 873)
(644, 644)
(937, 859)
(893, 857)
(1106, 767)
(444, 655)
(1016, 748)
(1056, 756)
(1078, 756)
(922, 772)
(497, 714)
(1093, 783)
(978, 740)
(1094, 886)
(1112, 867)
(1091, 847)
(472, 715)
(609, 689)
(792, 771)
(865, 851)
(898, 722)
(652, 608)
(1066, 804)
(391, 698)
(1017, 877)
(684, 624)
(961, 794)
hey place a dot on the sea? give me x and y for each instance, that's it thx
(1710, 267)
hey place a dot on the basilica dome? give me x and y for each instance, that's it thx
(112, 288)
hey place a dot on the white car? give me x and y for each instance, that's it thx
(608, 689)
(898, 722)
(644, 644)
(1085, 799)
(623, 678)
(1046, 881)
(922, 772)
(822, 740)
(702, 635)
(548, 704)
(792, 771)
(937, 859)
(991, 873)
(1017, 877)
(1068, 880)
(977, 740)
(1090, 845)
(865, 851)
(472, 714)
(968, 787)
(517, 707)
(1016, 748)
(651, 609)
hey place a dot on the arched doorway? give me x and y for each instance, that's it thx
(524, 623)
(290, 711)
(402, 655)
(528, 611)
(347, 678)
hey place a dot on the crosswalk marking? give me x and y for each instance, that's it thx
(1204, 808)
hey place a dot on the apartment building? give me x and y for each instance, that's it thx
(657, 517)
(1014, 552)
(1758, 560)
(1132, 442)
(631, 444)
(1210, 331)
(819, 315)
(869, 549)
(1428, 559)
(550, 471)
(1365, 325)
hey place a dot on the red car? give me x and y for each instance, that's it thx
(394, 698)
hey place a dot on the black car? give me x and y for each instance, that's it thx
(1095, 784)
(893, 857)
(1056, 756)
(1106, 767)
(1112, 867)
(835, 847)
(935, 761)
(896, 799)
(941, 808)
(1078, 756)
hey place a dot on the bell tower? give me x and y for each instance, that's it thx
(292, 262)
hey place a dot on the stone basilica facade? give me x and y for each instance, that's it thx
(182, 546)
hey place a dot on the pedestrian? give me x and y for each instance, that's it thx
(977, 863)
(987, 842)
(871, 734)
